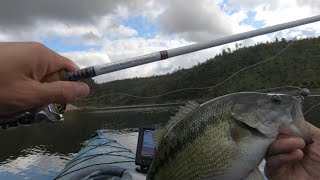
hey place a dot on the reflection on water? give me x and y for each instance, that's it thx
(35, 164)
(40, 151)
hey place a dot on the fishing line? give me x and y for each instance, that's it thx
(280, 87)
(314, 96)
(200, 88)
(312, 106)
(295, 88)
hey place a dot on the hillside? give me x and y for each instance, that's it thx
(298, 65)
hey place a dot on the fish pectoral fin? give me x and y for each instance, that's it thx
(255, 174)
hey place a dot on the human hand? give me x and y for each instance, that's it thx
(290, 158)
(29, 79)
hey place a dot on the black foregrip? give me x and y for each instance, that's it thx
(82, 74)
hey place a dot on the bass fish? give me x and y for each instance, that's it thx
(225, 138)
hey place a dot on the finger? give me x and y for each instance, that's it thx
(285, 145)
(57, 70)
(55, 62)
(49, 60)
(57, 76)
(275, 162)
(67, 64)
(284, 136)
(61, 63)
(64, 91)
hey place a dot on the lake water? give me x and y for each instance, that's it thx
(40, 151)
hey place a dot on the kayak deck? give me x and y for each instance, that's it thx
(102, 156)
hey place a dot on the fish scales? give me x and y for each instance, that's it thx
(211, 141)
(192, 136)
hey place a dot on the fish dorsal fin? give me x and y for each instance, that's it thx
(159, 134)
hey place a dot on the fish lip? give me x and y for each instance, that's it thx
(297, 128)
(300, 123)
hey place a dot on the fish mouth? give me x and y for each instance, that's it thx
(299, 128)
(297, 125)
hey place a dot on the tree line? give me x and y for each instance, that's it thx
(298, 65)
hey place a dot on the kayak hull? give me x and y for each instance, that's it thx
(101, 156)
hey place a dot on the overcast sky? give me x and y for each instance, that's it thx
(92, 32)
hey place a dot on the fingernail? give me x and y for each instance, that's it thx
(82, 90)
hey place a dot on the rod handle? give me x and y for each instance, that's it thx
(78, 75)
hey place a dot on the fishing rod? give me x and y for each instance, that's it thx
(165, 54)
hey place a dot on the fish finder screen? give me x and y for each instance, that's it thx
(148, 146)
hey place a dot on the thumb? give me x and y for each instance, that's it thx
(65, 91)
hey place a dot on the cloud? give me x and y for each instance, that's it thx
(121, 31)
(275, 12)
(116, 50)
(16, 12)
(36, 20)
(86, 34)
(250, 4)
(194, 20)
(88, 58)
(203, 20)
(121, 49)
(314, 4)
(161, 67)
(3, 37)
(117, 30)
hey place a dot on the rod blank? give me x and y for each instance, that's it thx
(157, 56)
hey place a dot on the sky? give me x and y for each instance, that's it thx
(93, 32)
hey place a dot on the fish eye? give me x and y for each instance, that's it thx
(275, 98)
